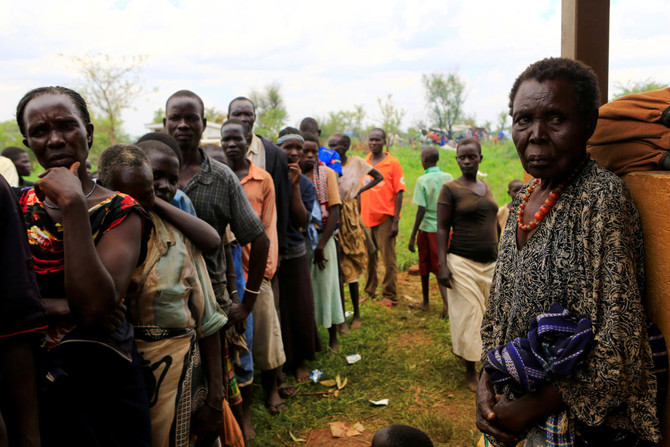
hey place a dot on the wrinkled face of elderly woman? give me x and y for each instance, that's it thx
(548, 131)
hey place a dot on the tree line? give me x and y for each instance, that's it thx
(111, 85)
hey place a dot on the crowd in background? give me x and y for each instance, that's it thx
(138, 306)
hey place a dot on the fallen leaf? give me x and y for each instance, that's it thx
(417, 397)
(338, 429)
(341, 430)
(358, 426)
(412, 366)
(341, 384)
(336, 393)
(296, 439)
(328, 383)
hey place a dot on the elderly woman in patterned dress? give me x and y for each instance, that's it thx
(573, 239)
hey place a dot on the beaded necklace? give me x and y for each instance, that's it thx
(549, 203)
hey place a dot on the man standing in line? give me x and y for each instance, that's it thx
(380, 212)
(328, 156)
(219, 199)
(266, 155)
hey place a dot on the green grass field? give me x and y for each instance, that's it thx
(501, 163)
(405, 352)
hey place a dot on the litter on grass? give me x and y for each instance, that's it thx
(316, 375)
(379, 403)
(348, 313)
(353, 358)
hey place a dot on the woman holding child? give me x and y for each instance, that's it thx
(86, 241)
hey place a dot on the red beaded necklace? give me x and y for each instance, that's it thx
(548, 204)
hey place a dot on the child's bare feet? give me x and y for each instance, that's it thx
(355, 323)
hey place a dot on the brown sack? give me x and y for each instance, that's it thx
(633, 132)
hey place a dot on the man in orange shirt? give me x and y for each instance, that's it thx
(380, 212)
(267, 347)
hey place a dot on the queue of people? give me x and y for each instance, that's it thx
(138, 307)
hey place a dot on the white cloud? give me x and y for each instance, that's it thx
(327, 56)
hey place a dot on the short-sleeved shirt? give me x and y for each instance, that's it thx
(474, 223)
(21, 309)
(219, 200)
(171, 289)
(378, 203)
(426, 192)
(45, 237)
(331, 159)
(260, 191)
(181, 201)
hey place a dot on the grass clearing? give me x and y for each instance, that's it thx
(406, 353)
(405, 358)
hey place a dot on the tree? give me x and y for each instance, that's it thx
(110, 85)
(215, 115)
(502, 121)
(343, 121)
(637, 87)
(270, 110)
(159, 115)
(10, 135)
(445, 96)
(391, 118)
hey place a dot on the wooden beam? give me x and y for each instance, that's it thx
(585, 27)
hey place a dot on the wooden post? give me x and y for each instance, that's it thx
(585, 27)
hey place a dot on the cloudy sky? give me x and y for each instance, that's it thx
(327, 56)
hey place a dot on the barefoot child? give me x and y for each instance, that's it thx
(325, 276)
(426, 191)
(171, 301)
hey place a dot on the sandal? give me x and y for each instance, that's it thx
(287, 391)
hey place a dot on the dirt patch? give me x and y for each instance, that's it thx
(321, 437)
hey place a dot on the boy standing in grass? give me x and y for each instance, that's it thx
(503, 212)
(426, 191)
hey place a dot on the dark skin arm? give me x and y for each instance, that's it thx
(377, 177)
(208, 421)
(203, 235)
(420, 212)
(18, 368)
(444, 221)
(396, 216)
(96, 276)
(505, 417)
(257, 262)
(299, 214)
(331, 223)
